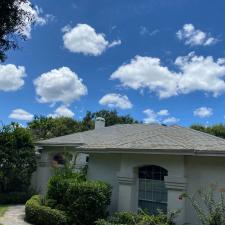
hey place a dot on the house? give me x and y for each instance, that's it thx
(148, 165)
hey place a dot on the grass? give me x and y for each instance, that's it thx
(3, 209)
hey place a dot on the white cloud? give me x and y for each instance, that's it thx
(37, 15)
(62, 111)
(151, 116)
(113, 100)
(193, 36)
(163, 112)
(59, 85)
(170, 120)
(195, 73)
(201, 73)
(11, 77)
(159, 117)
(146, 72)
(20, 114)
(203, 112)
(84, 39)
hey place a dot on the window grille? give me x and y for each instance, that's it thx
(152, 191)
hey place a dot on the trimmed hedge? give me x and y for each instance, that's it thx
(43, 215)
(84, 201)
(87, 201)
(14, 197)
(58, 185)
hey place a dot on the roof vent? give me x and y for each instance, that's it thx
(99, 122)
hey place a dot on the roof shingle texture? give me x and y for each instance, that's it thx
(141, 137)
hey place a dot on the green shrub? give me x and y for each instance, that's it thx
(42, 215)
(83, 201)
(58, 185)
(87, 201)
(127, 218)
(14, 197)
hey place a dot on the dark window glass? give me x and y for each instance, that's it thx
(152, 190)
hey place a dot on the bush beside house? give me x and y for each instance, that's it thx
(70, 199)
(38, 214)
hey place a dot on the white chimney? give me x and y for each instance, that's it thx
(99, 122)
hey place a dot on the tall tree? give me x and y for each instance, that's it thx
(13, 19)
(17, 159)
(47, 127)
(112, 117)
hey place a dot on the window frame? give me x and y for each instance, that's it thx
(165, 203)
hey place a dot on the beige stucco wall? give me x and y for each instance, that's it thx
(185, 173)
(105, 167)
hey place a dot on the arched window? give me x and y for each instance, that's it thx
(152, 191)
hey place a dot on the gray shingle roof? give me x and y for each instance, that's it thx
(141, 137)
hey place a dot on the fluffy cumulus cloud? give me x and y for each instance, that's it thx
(192, 36)
(39, 18)
(62, 111)
(11, 77)
(59, 85)
(20, 114)
(203, 112)
(113, 100)
(147, 72)
(159, 117)
(84, 39)
(194, 73)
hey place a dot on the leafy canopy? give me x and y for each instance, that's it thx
(13, 20)
(47, 127)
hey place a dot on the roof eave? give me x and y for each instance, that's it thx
(191, 152)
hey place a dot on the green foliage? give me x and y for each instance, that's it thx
(87, 201)
(84, 201)
(17, 159)
(209, 205)
(15, 197)
(217, 129)
(38, 214)
(112, 117)
(127, 218)
(47, 127)
(13, 20)
(59, 184)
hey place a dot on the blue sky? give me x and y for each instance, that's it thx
(159, 61)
